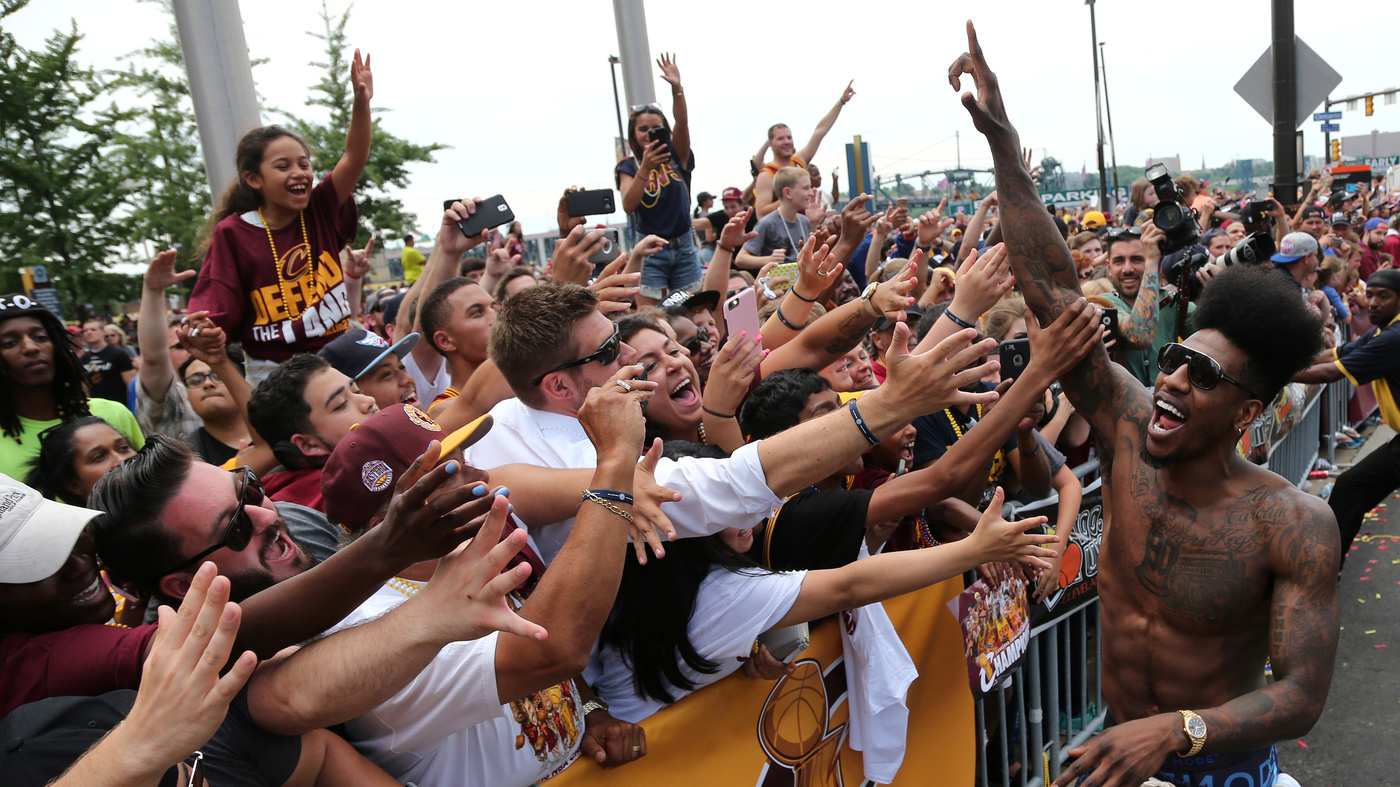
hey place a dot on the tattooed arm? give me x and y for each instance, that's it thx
(1105, 394)
(1140, 328)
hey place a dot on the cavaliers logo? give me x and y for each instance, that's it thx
(421, 418)
(793, 728)
(376, 475)
(296, 262)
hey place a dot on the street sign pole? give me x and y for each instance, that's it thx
(1285, 103)
(1327, 131)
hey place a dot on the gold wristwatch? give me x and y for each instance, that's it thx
(867, 304)
(1195, 728)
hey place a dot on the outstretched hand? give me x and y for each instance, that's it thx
(161, 274)
(669, 71)
(361, 78)
(999, 541)
(988, 112)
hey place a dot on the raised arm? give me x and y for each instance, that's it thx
(448, 249)
(680, 128)
(156, 370)
(1103, 393)
(357, 138)
(809, 150)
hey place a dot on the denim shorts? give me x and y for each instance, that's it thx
(675, 267)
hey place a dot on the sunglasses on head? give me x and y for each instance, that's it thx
(637, 108)
(1203, 371)
(238, 533)
(1119, 233)
(606, 353)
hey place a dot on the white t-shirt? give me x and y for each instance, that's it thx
(715, 493)
(428, 390)
(447, 727)
(731, 610)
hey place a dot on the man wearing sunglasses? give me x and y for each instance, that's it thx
(1373, 358)
(553, 346)
(1212, 565)
(1134, 259)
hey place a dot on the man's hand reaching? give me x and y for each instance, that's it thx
(988, 112)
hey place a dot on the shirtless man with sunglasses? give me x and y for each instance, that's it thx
(1211, 565)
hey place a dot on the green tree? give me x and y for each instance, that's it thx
(60, 192)
(160, 151)
(381, 215)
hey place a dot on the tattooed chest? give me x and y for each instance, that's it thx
(1198, 570)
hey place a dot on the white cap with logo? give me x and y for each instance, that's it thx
(36, 534)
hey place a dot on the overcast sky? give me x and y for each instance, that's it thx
(522, 93)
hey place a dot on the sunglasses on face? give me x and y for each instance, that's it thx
(697, 341)
(1204, 371)
(606, 354)
(239, 531)
(197, 379)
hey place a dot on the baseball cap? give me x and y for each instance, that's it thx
(19, 305)
(1374, 224)
(1295, 246)
(732, 193)
(378, 297)
(912, 315)
(391, 307)
(702, 196)
(1095, 218)
(36, 534)
(358, 479)
(355, 352)
(1312, 212)
(705, 299)
(1340, 218)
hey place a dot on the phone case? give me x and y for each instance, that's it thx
(788, 269)
(590, 203)
(741, 313)
(492, 212)
(786, 643)
(609, 250)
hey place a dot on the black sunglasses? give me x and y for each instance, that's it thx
(239, 531)
(1204, 371)
(701, 336)
(606, 353)
(197, 379)
(1118, 233)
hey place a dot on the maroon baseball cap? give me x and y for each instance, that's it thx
(732, 193)
(359, 477)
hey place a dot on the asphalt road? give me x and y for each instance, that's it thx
(1356, 743)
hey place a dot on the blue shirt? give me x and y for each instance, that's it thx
(665, 206)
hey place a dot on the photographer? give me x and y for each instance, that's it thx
(1144, 326)
(655, 186)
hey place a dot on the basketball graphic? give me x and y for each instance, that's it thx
(421, 418)
(792, 728)
(1069, 566)
(376, 475)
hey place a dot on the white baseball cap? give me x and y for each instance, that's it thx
(36, 534)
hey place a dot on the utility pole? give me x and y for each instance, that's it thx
(1108, 110)
(221, 82)
(613, 60)
(1098, 107)
(1285, 103)
(631, 19)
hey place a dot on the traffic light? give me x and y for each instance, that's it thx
(1336, 150)
(1370, 105)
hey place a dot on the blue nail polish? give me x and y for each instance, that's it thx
(503, 491)
(478, 490)
(511, 509)
(450, 467)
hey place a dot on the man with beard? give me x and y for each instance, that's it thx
(1373, 358)
(1212, 566)
(786, 154)
(1373, 249)
(1134, 258)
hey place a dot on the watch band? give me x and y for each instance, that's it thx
(597, 703)
(1198, 742)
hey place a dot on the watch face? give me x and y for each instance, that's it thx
(1196, 728)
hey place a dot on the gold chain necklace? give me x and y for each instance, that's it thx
(277, 261)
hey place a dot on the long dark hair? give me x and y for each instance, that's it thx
(70, 399)
(55, 467)
(632, 128)
(239, 197)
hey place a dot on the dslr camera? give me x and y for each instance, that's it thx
(1176, 221)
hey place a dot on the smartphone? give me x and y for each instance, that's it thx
(902, 203)
(1351, 188)
(492, 212)
(590, 203)
(1109, 319)
(788, 269)
(787, 643)
(643, 377)
(1260, 207)
(1015, 356)
(610, 248)
(660, 134)
(741, 313)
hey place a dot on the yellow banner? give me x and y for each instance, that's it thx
(793, 733)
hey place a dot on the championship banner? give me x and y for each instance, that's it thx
(1276, 421)
(793, 732)
(996, 627)
(1079, 570)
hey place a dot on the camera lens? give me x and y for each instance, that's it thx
(1168, 214)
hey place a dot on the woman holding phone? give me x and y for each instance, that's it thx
(655, 186)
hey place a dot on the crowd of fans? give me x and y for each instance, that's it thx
(411, 510)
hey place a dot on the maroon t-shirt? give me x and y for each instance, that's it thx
(83, 661)
(302, 487)
(238, 284)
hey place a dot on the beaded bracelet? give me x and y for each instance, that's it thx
(613, 495)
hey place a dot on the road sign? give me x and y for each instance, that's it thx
(1325, 116)
(1330, 128)
(1316, 80)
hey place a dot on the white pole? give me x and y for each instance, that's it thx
(221, 82)
(637, 81)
